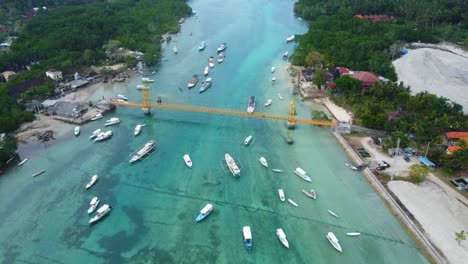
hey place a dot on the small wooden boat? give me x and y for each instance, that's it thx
(202, 46)
(174, 49)
(206, 71)
(220, 57)
(22, 162)
(293, 203)
(211, 62)
(38, 173)
(353, 234)
(350, 166)
(193, 81)
(187, 160)
(333, 213)
(310, 194)
(277, 170)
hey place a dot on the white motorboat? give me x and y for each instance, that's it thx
(122, 101)
(353, 234)
(92, 181)
(251, 105)
(206, 71)
(187, 160)
(95, 133)
(122, 97)
(285, 55)
(272, 69)
(174, 49)
(103, 136)
(310, 194)
(147, 80)
(293, 203)
(268, 102)
(263, 161)
(93, 204)
(205, 85)
(350, 166)
(231, 163)
(277, 170)
(247, 140)
(282, 237)
(334, 241)
(193, 81)
(202, 46)
(77, 130)
(181, 20)
(137, 130)
(96, 117)
(22, 162)
(101, 212)
(291, 38)
(204, 212)
(211, 62)
(247, 234)
(273, 80)
(222, 47)
(332, 213)
(140, 86)
(112, 121)
(301, 173)
(280, 97)
(142, 151)
(220, 57)
(281, 195)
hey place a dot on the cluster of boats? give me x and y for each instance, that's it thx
(103, 210)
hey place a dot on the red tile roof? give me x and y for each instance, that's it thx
(344, 70)
(453, 148)
(368, 78)
(457, 135)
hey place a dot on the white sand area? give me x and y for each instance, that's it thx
(439, 69)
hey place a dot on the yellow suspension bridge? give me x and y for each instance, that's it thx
(146, 105)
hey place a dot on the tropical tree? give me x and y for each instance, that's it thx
(319, 77)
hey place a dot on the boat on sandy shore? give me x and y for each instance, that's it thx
(187, 160)
(268, 102)
(251, 105)
(205, 85)
(96, 117)
(247, 140)
(202, 46)
(353, 234)
(231, 163)
(291, 38)
(310, 194)
(301, 173)
(334, 241)
(103, 136)
(38, 173)
(247, 234)
(95, 133)
(263, 161)
(282, 237)
(206, 71)
(204, 212)
(142, 151)
(92, 182)
(22, 162)
(220, 57)
(193, 81)
(221, 47)
(281, 195)
(277, 170)
(101, 212)
(293, 203)
(332, 213)
(211, 62)
(93, 204)
(77, 130)
(112, 121)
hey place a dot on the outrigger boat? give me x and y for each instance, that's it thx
(232, 165)
(101, 212)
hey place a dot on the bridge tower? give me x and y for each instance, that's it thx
(146, 101)
(292, 117)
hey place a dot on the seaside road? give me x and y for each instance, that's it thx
(267, 211)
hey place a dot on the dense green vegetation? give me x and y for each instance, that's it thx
(11, 113)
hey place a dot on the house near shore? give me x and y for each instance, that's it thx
(54, 74)
(367, 78)
(453, 140)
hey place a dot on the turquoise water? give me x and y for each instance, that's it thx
(155, 202)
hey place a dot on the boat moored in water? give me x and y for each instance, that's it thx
(77, 130)
(220, 57)
(205, 85)
(280, 97)
(92, 182)
(206, 71)
(204, 212)
(96, 117)
(103, 136)
(277, 170)
(285, 55)
(137, 130)
(93, 204)
(142, 151)
(202, 46)
(301, 173)
(332, 213)
(251, 105)
(281, 195)
(310, 194)
(268, 102)
(272, 69)
(247, 140)
(101, 212)
(263, 161)
(112, 121)
(334, 241)
(231, 163)
(95, 133)
(353, 234)
(38, 173)
(187, 160)
(293, 203)
(247, 234)
(351, 166)
(291, 38)
(193, 81)
(221, 47)
(211, 62)
(22, 162)
(122, 97)
(175, 50)
(282, 237)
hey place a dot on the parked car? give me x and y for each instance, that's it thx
(407, 158)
